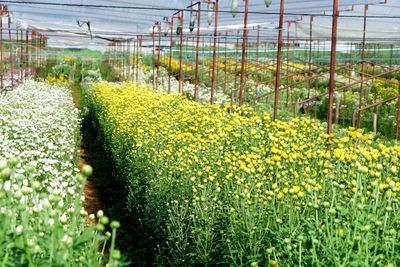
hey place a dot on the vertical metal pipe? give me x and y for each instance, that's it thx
(225, 61)
(170, 57)
(21, 57)
(287, 64)
(278, 62)
(1, 50)
(398, 113)
(310, 56)
(180, 54)
(236, 67)
(214, 52)
(391, 60)
(154, 63)
(127, 59)
(243, 53)
(158, 53)
(196, 73)
(11, 53)
(362, 64)
(333, 63)
(16, 53)
(138, 56)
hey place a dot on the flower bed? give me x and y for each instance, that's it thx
(41, 195)
(236, 189)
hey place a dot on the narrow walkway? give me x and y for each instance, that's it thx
(93, 194)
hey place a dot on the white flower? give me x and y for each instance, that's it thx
(67, 240)
(63, 218)
(19, 229)
(51, 222)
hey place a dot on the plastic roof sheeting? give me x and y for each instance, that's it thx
(125, 19)
(378, 28)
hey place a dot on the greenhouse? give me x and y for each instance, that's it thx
(199, 133)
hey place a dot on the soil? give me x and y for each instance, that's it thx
(93, 194)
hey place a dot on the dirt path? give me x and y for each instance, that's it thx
(93, 194)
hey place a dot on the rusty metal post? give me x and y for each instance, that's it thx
(128, 60)
(287, 64)
(26, 52)
(1, 50)
(225, 62)
(121, 60)
(16, 54)
(214, 52)
(180, 54)
(310, 56)
(196, 73)
(138, 57)
(278, 63)
(170, 57)
(362, 64)
(11, 53)
(398, 114)
(243, 53)
(158, 53)
(333, 63)
(39, 54)
(236, 67)
(154, 63)
(391, 59)
(21, 56)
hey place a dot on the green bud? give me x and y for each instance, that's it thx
(3, 164)
(80, 179)
(99, 227)
(87, 170)
(29, 169)
(104, 220)
(5, 174)
(13, 162)
(116, 254)
(115, 224)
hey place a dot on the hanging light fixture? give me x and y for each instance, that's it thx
(165, 27)
(179, 27)
(267, 2)
(235, 7)
(192, 22)
(210, 15)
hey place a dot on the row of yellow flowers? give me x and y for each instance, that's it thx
(240, 189)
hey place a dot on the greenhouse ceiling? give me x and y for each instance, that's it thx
(90, 23)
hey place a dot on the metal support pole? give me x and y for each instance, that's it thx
(21, 57)
(16, 54)
(139, 45)
(128, 69)
(332, 64)
(287, 64)
(154, 63)
(170, 57)
(233, 95)
(214, 52)
(1, 50)
(362, 64)
(225, 61)
(391, 60)
(158, 53)
(11, 54)
(278, 63)
(196, 73)
(309, 57)
(243, 52)
(398, 114)
(180, 55)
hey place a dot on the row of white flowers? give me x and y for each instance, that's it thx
(41, 195)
